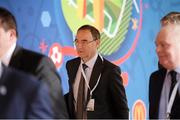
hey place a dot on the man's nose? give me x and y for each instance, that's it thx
(158, 49)
(79, 45)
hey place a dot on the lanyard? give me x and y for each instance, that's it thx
(171, 101)
(86, 81)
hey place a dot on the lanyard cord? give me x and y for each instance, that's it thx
(171, 101)
(86, 81)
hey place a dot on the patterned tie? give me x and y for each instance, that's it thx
(81, 112)
(173, 81)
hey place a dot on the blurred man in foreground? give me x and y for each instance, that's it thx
(30, 62)
(22, 96)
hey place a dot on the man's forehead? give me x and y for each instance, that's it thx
(168, 33)
(83, 34)
(84, 31)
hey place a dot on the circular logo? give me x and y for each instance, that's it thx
(111, 17)
(55, 53)
(139, 110)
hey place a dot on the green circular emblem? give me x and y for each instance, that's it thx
(111, 17)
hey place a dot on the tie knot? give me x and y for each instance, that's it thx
(173, 75)
(84, 66)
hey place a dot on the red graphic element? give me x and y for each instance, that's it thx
(139, 110)
(125, 78)
(55, 53)
(69, 51)
(43, 46)
(128, 54)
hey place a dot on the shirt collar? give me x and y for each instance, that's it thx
(176, 70)
(91, 62)
(6, 57)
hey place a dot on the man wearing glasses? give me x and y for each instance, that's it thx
(95, 85)
(164, 99)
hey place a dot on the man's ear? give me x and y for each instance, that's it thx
(98, 43)
(12, 34)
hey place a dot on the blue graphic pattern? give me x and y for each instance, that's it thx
(43, 20)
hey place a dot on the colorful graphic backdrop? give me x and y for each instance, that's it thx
(128, 29)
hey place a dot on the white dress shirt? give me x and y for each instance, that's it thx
(165, 93)
(7, 56)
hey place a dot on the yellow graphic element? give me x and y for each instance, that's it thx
(135, 23)
(98, 14)
(139, 111)
(81, 8)
(98, 8)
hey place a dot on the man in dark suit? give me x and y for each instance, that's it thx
(163, 82)
(31, 62)
(103, 93)
(22, 96)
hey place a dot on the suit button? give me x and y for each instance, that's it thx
(3, 90)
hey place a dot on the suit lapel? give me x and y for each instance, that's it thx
(74, 69)
(4, 71)
(158, 89)
(97, 69)
(15, 59)
(3, 98)
(6, 81)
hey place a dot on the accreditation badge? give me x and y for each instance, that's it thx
(90, 105)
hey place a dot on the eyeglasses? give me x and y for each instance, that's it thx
(173, 18)
(83, 42)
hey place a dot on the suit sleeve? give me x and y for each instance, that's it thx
(118, 94)
(150, 97)
(155, 86)
(40, 106)
(46, 71)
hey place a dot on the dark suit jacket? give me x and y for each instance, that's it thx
(155, 88)
(43, 68)
(110, 97)
(22, 96)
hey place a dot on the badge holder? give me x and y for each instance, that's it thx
(90, 105)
